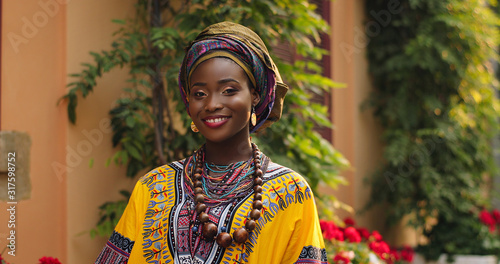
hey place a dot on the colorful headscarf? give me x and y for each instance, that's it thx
(244, 47)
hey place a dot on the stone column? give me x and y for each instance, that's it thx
(14, 158)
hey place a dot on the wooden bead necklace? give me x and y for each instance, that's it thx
(209, 229)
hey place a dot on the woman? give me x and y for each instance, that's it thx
(227, 203)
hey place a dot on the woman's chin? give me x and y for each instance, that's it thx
(223, 136)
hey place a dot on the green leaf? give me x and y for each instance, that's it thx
(108, 162)
(124, 157)
(119, 21)
(132, 151)
(130, 121)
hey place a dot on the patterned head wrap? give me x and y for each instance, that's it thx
(244, 47)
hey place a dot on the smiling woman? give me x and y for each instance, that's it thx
(228, 202)
(221, 102)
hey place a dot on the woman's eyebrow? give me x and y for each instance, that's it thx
(228, 80)
(222, 81)
(199, 84)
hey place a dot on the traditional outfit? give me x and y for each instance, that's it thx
(160, 223)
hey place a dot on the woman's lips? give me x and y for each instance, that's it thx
(214, 122)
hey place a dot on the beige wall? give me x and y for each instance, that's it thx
(357, 134)
(64, 201)
(33, 78)
(89, 29)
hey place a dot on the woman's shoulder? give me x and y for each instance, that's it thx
(276, 172)
(283, 188)
(163, 172)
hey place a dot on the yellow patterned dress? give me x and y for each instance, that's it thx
(156, 225)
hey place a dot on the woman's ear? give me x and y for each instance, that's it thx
(255, 97)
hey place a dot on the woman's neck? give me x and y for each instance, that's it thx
(224, 153)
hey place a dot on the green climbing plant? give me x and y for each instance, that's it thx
(435, 98)
(149, 123)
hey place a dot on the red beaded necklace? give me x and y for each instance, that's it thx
(209, 229)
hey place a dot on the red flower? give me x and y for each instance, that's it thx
(349, 222)
(331, 231)
(364, 233)
(328, 229)
(352, 234)
(496, 215)
(376, 236)
(2, 260)
(49, 260)
(325, 225)
(339, 259)
(338, 235)
(487, 218)
(395, 256)
(380, 248)
(407, 254)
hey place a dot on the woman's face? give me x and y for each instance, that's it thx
(220, 100)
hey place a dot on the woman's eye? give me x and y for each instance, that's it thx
(230, 91)
(199, 94)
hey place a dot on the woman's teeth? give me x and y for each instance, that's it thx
(215, 120)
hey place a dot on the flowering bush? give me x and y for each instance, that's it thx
(43, 260)
(49, 260)
(490, 219)
(349, 244)
(476, 232)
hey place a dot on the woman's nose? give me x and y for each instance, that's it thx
(213, 103)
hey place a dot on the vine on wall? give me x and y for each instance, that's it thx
(435, 98)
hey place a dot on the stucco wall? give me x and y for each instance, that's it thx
(89, 28)
(43, 40)
(33, 78)
(357, 134)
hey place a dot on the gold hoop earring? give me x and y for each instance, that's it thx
(194, 128)
(253, 117)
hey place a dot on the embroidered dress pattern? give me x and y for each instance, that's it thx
(312, 254)
(165, 234)
(275, 192)
(160, 183)
(117, 249)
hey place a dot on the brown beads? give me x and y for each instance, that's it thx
(201, 207)
(257, 181)
(240, 235)
(224, 239)
(257, 204)
(209, 231)
(250, 225)
(203, 217)
(199, 198)
(255, 214)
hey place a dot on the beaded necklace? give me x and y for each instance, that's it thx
(235, 182)
(223, 168)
